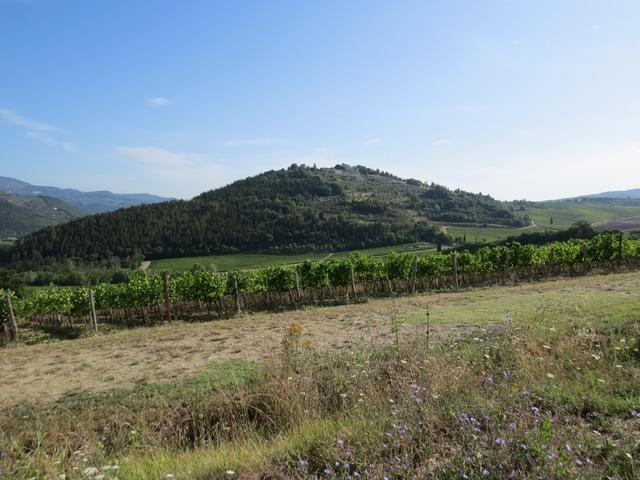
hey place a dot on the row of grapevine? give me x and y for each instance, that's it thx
(201, 292)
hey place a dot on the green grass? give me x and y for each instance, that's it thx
(213, 377)
(567, 212)
(225, 263)
(31, 289)
(486, 234)
(564, 212)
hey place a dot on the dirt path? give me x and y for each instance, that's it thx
(145, 265)
(42, 373)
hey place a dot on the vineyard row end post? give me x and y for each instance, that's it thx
(13, 326)
(167, 298)
(353, 284)
(94, 317)
(235, 286)
(455, 269)
(414, 274)
(296, 278)
(619, 251)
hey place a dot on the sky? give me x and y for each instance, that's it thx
(518, 99)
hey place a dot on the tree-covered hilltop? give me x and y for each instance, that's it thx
(296, 209)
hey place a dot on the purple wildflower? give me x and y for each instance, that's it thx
(501, 442)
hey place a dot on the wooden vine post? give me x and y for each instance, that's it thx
(353, 283)
(428, 327)
(414, 275)
(167, 298)
(13, 326)
(94, 317)
(237, 292)
(296, 279)
(619, 251)
(455, 269)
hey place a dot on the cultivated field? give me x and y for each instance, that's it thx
(566, 213)
(243, 261)
(623, 224)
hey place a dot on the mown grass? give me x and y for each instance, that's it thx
(567, 212)
(474, 234)
(551, 391)
(225, 263)
(564, 213)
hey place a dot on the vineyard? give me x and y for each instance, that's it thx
(148, 298)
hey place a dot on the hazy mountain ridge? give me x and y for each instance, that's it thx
(633, 193)
(89, 202)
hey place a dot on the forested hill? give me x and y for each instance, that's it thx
(20, 215)
(297, 209)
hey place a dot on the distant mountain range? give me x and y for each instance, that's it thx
(20, 214)
(633, 194)
(88, 202)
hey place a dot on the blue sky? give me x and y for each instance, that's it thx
(519, 99)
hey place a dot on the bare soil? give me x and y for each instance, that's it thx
(42, 373)
(628, 224)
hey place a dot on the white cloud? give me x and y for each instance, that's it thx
(158, 102)
(251, 142)
(373, 142)
(49, 140)
(176, 173)
(441, 142)
(155, 157)
(18, 120)
(38, 131)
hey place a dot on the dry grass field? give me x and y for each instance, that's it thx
(166, 353)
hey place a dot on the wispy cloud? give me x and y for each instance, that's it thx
(49, 140)
(176, 172)
(441, 142)
(38, 131)
(373, 142)
(251, 142)
(18, 120)
(158, 102)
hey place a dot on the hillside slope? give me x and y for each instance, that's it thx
(297, 209)
(90, 202)
(20, 215)
(634, 193)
